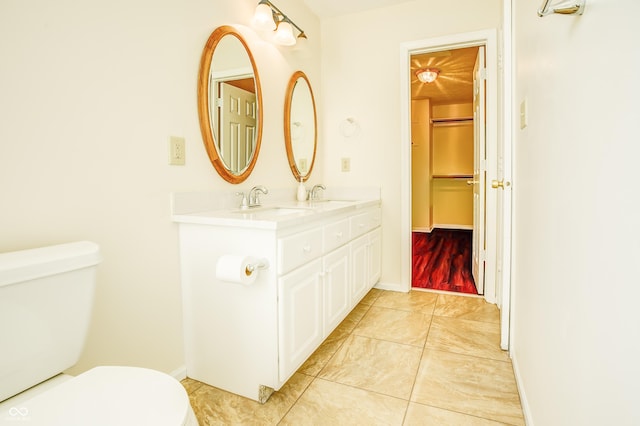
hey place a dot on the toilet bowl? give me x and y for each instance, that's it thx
(45, 304)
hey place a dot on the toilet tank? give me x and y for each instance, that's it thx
(46, 296)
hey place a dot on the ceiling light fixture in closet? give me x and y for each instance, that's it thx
(427, 75)
(268, 17)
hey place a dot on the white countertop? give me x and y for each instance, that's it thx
(275, 216)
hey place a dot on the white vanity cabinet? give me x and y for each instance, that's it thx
(250, 339)
(336, 275)
(300, 316)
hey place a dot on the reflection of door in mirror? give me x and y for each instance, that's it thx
(229, 104)
(237, 126)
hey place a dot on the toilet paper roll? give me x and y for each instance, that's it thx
(237, 269)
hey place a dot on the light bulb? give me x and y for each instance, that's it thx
(284, 34)
(263, 18)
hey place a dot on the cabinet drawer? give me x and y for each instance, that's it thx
(364, 222)
(297, 249)
(336, 234)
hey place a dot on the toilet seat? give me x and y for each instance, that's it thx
(109, 396)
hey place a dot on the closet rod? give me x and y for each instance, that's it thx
(451, 121)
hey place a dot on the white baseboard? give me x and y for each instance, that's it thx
(179, 373)
(427, 230)
(528, 420)
(452, 226)
(390, 287)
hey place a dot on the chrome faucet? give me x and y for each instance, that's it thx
(313, 195)
(254, 195)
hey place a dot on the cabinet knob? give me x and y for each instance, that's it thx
(338, 235)
(306, 248)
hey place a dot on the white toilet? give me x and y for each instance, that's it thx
(46, 297)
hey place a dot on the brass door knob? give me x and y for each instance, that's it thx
(499, 184)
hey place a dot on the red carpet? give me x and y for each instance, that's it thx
(442, 260)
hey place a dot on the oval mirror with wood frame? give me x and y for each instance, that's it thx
(230, 104)
(300, 126)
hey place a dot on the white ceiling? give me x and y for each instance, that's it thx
(455, 83)
(329, 8)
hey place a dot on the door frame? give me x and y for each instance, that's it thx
(487, 38)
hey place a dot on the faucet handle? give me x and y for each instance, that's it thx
(243, 203)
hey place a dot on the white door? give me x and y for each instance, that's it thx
(300, 317)
(375, 257)
(337, 294)
(359, 266)
(479, 171)
(237, 126)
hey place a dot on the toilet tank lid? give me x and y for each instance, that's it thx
(23, 265)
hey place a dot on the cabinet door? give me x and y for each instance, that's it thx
(337, 292)
(375, 256)
(359, 269)
(300, 317)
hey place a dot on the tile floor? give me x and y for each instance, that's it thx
(417, 358)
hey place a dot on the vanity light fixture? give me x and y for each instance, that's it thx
(427, 75)
(268, 17)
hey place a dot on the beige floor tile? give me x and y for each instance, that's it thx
(366, 377)
(217, 407)
(371, 297)
(475, 386)
(375, 365)
(407, 327)
(354, 317)
(329, 403)
(190, 385)
(463, 307)
(424, 415)
(327, 349)
(475, 338)
(412, 301)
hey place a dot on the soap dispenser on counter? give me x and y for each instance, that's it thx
(302, 192)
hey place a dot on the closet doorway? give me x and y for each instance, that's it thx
(496, 198)
(447, 160)
(486, 212)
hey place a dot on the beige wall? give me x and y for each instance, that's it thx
(91, 92)
(577, 242)
(360, 69)
(420, 165)
(452, 148)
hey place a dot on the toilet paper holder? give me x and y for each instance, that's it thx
(258, 264)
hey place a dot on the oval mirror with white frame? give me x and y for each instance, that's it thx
(230, 104)
(300, 126)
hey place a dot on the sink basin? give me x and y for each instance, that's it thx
(279, 211)
(272, 211)
(330, 202)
